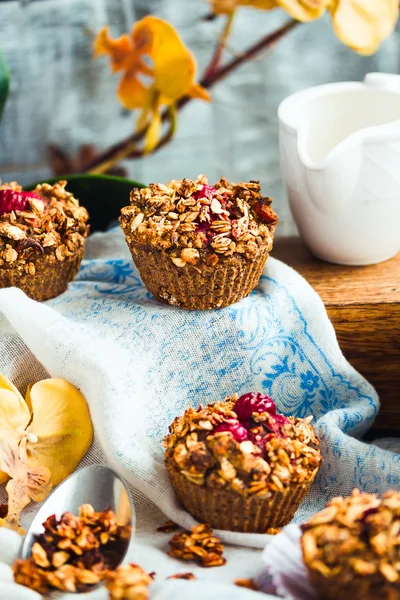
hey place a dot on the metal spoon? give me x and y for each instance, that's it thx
(97, 485)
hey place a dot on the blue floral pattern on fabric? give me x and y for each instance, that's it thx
(262, 343)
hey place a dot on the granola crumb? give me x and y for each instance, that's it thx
(250, 584)
(128, 582)
(199, 545)
(273, 530)
(188, 576)
(168, 527)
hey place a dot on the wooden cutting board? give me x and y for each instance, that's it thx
(363, 304)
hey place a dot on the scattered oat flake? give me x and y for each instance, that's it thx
(168, 527)
(250, 584)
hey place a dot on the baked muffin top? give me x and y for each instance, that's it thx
(46, 221)
(197, 222)
(356, 537)
(244, 445)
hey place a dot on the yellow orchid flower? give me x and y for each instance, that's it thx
(42, 440)
(171, 70)
(225, 7)
(304, 10)
(364, 24)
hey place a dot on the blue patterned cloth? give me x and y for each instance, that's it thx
(141, 363)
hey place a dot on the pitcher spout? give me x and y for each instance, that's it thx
(331, 182)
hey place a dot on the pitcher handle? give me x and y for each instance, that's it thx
(383, 81)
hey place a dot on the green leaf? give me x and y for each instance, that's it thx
(4, 81)
(102, 195)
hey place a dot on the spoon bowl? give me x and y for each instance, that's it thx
(97, 485)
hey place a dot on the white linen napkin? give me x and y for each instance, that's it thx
(140, 363)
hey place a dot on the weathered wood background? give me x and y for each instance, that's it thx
(60, 95)
(363, 304)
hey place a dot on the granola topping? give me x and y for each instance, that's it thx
(128, 582)
(242, 444)
(12, 200)
(355, 537)
(73, 553)
(48, 220)
(196, 222)
(199, 545)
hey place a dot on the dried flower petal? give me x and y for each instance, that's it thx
(42, 440)
(14, 417)
(62, 424)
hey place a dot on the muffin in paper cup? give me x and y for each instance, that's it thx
(42, 238)
(351, 549)
(199, 246)
(241, 466)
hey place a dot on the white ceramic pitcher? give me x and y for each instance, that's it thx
(340, 158)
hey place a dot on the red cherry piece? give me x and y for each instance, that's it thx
(264, 211)
(253, 402)
(276, 423)
(11, 200)
(236, 429)
(206, 191)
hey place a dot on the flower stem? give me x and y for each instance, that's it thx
(127, 147)
(221, 45)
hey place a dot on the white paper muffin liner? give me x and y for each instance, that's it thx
(285, 566)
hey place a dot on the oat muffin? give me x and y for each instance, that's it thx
(199, 246)
(42, 237)
(352, 548)
(241, 466)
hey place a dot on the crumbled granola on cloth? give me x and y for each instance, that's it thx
(188, 576)
(50, 222)
(128, 582)
(211, 448)
(249, 584)
(73, 553)
(356, 538)
(197, 222)
(199, 545)
(168, 527)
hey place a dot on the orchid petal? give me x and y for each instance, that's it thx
(226, 7)
(131, 92)
(119, 50)
(364, 24)
(174, 65)
(304, 10)
(197, 91)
